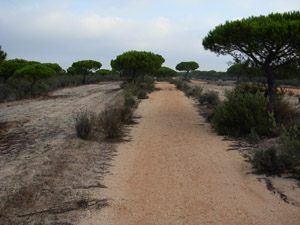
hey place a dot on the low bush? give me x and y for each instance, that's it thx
(253, 137)
(147, 84)
(286, 156)
(290, 147)
(195, 92)
(268, 161)
(129, 101)
(126, 114)
(109, 123)
(142, 94)
(284, 114)
(242, 111)
(178, 83)
(84, 123)
(209, 97)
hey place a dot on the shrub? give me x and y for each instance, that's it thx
(243, 111)
(186, 88)
(284, 113)
(253, 137)
(142, 94)
(178, 83)
(126, 114)
(196, 92)
(268, 161)
(129, 101)
(109, 123)
(130, 88)
(290, 147)
(147, 84)
(209, 97)
(84, 122)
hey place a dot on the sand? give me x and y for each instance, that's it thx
(176, 170)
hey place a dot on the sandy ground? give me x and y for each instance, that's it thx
(46, 172)
(175, 170)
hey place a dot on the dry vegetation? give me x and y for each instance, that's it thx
(48, 175)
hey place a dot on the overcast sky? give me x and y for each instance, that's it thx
(65, 31)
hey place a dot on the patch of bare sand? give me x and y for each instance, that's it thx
(177, 171)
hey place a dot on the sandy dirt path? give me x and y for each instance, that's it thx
(175, 170)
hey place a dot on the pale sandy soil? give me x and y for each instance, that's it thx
(46, 172)
(176, 170)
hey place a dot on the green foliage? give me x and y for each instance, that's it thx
(165, 72)
(129, 101)
(57, 68)
(242, 111)
(290, 147)
(110, 123)
(33, 73)
(268, 161)
(285, 157)
(266, 42)
(187, 66)
(104, 72)
(126, 114)
(146, 84)
(137, 63)
(178, 83)
(238, 70)
(83, 67)
(84, 123)
(195, 92)
(9, 67)
(142, 94)
(253, 137)
(209, 97)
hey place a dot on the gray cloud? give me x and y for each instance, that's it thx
(63, 31)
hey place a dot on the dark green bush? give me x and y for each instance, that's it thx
(126, 114)
(243, 111)
(109, 123)
(290, 147)
(147, 84)
(209, 97)
(268, 161)
(129, 101)
(130, 88)
(142, 94)
(84, 123)
(253, 137)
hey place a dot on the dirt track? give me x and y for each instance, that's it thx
(175, 170)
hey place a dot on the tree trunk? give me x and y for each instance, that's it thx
(133, 77)
(186, 75)
(271, 90)
(31, 88)
(84, 78)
